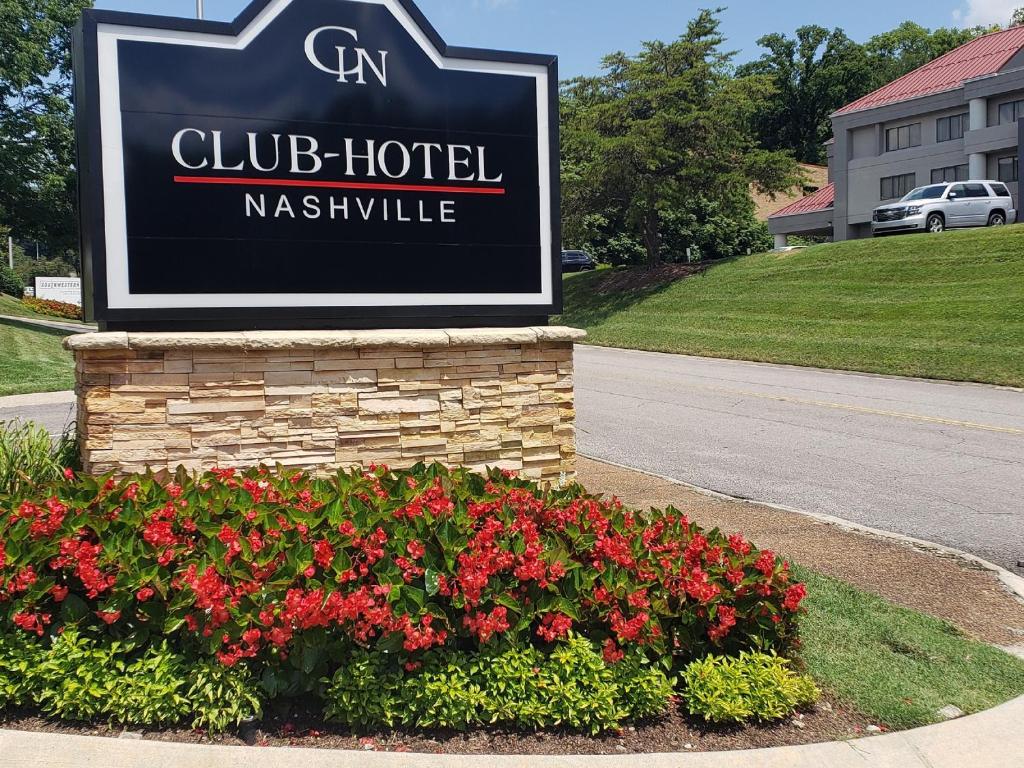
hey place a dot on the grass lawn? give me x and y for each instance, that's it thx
(945, 306)
(32, 360)
(897, 665)
(13, 307)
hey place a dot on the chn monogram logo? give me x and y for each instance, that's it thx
(351, 62)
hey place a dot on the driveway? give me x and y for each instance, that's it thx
(934, 460)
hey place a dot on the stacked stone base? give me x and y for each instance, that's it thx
(323, 400)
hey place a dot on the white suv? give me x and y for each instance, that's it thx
(938, 207)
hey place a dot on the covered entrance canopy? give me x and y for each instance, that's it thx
(810, 216)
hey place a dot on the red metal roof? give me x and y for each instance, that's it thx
(985, 55)
(821, 200)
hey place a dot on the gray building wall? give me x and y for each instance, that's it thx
(859, 160)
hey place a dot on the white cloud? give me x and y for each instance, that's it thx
(985, 12)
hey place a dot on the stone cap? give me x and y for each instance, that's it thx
(273, 340)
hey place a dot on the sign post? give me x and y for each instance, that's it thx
(319, 236)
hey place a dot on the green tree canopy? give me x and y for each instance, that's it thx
(37, 181)
(658, 131)
(817, 71)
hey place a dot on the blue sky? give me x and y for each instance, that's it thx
(582, 31)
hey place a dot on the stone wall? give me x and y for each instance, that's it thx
(320, 400)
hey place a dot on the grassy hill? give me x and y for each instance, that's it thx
(945, 306)
(32, 360)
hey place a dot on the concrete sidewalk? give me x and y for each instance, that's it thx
(992, 739)
(54, 324)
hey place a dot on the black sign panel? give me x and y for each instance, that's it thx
(316, 163)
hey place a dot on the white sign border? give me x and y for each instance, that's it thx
(119, 295)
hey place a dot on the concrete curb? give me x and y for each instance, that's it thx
(1013, 582)
(38, 398)
(811, 368)
(991, 739)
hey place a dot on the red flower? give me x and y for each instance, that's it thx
(794, 596)
(766, 563)
(144, 594)
(484, 625)
(611, 652)
(415, 550)
(323, 553)
(59, 593)
(554, 626)
(109, 617)
(739, 545)
(32, 622)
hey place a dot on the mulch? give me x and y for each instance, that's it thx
(826, 721)
(967, 596)
(642, 278)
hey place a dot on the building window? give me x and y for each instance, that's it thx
(894, 187)
(949, 173)
(1011, 111)
(903, 137)
(1008, 168)
(950, 128)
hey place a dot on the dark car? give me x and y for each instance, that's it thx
(577, 261)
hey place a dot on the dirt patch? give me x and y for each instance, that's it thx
(968, 597)
(827, 721)
(643, 278)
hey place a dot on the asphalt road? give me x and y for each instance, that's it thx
(54, 410)
(938, 461)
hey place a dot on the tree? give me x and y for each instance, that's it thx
(909, 46)
(818, 71)
(658, 131)
(37, 148)
(815, 73)
(1017, 20)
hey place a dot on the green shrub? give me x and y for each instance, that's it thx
(580, 688)
(20, 658)
(220, 697)
(152, 689)
(572, 685)
(78, 678)
(10, 283)
(751, 686)
(643, 688)
(29, 456)
(366, 691)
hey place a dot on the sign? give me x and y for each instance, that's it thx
(314, 164)
(65, 289)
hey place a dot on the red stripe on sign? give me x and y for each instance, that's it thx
(312, 183)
